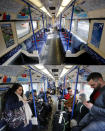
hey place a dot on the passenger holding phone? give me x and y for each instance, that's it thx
(95, 119)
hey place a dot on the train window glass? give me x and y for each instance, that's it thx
(35, 25)
(25, 88)
(63, 23)
(1, 103)
(22, 28)
(73, 26)
(40, 24)
(88, 91)
(7, 34)
(0, 106)
(83, 29)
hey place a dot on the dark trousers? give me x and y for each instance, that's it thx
(76, 128)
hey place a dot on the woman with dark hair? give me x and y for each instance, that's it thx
(17, 111)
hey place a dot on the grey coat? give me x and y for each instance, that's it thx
(97, 112)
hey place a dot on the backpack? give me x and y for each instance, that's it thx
(61, 121)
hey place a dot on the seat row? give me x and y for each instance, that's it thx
(70, 42)
(28, 45)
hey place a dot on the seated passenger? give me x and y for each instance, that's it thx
(69, 97)
(35, 95)
(48, 97)
(41, 94)
(69, 94)
(80, 110)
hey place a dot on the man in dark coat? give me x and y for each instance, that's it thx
(95, 119)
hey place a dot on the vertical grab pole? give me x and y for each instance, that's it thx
(32, 93)
(75, 93)
(45, 98)
(43, 26)
(43, 20)
(43, 23)
(60, 22)
(71, 24)
(47, 83)
(64, 85)
(32, 26)
(46, 21)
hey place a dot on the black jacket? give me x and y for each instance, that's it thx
(12, 102)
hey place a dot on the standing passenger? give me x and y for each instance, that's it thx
(69, 97)
(69, 94)
(17, 111)
(95, 119)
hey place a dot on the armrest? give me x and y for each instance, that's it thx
(69, 54)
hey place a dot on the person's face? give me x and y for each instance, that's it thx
(19, 91)
(94, 84)
(79, 97)
(70, 91)
(35, 94)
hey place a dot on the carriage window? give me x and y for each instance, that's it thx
(63, 23)
(22, 28)
(83, 29)
(35, 25)
(73, 26)
(0, 106)
(26, 87)
(7, 34)
(1, 103)
(87, 90)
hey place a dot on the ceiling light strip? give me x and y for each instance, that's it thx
(40, 5)
(43, 69)
(64, 4)
(31, 6)
(70, 5)
(71, 70)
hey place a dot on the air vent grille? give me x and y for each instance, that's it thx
(54, 70)
(52, 8)
(55, 74)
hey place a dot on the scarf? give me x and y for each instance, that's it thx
(27, 109)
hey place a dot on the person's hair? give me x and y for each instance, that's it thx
(13, 89)
(83, 97)
(34, 91)
(47, 93)
(77, 92)
(94, 76)
(68, 88)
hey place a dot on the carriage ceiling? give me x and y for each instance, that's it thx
(52, 5)
(16, 71)
(84, 72)
(82, 7)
